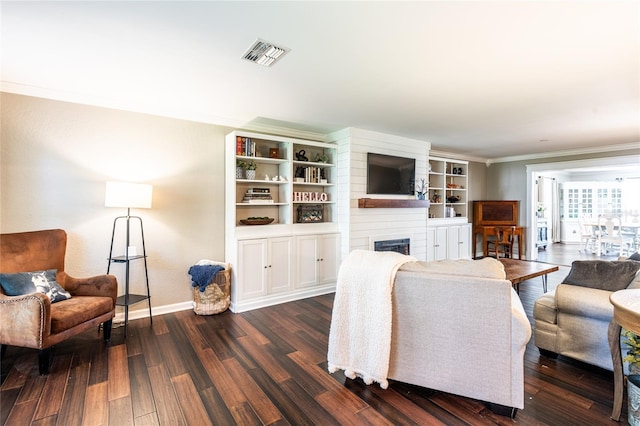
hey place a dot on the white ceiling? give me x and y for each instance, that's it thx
(487, 79)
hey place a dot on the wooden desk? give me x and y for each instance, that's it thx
(626, 314)
(486, 231)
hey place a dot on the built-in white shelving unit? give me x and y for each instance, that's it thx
(448, 232)
(295, 190)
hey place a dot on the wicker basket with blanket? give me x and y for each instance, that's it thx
(211, 283)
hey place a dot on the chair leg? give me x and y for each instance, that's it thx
(44, 360)
(107, 330)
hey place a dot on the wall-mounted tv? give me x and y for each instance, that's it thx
(390, 175)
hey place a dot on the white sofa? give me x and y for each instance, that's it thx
(459, 327)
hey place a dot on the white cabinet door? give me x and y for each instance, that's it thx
(329, 259)
(252, 268)
(279, 268)
(458, 246)
(464, 247)
(307, 251)
(317, 259)
(437, 243)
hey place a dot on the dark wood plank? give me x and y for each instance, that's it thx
(7, 401)
(189, 399)
(119, 386)
(168, 408)
(218, 411)
(142, 399)
(22, 413)
(285, 405)
(121, 412)
(99, 363)
(54, 388)
(259, 401)
(96, 405)
(150, 419)
(73, 404)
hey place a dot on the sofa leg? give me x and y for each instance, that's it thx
(548, 353)
(503, 410)
(106, 330)
(44, 360)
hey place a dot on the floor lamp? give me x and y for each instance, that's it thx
(129, 195)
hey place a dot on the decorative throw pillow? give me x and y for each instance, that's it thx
(29, 282)
(602, 274)
(634, 256)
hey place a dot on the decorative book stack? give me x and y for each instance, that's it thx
(245, 147)
(258, 196)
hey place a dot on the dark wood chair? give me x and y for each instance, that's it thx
(502, 245)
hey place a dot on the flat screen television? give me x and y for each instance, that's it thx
(390, 175)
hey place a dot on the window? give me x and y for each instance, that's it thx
(597, 198)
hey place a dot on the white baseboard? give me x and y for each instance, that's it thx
(278, 298)
(155, 310)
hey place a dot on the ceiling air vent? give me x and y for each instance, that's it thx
(264, 53)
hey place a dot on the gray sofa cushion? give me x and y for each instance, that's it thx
(602, 274)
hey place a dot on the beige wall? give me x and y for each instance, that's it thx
(57, 156)
(477, 184)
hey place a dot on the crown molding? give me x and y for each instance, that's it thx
(457, 156)
(284, 131)
(566, 153)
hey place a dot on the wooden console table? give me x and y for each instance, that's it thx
(626, 314)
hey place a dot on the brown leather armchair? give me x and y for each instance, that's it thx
(31, 320)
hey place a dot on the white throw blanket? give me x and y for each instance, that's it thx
(360, 334)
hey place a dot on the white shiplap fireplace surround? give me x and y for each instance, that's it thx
(360, 227)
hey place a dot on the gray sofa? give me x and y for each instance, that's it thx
(573, 320)
(459, 327)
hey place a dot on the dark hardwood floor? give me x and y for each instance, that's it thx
(564, 254)
(267, 366)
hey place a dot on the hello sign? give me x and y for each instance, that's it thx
(310, 196)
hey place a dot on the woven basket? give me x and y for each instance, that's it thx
(216, 297)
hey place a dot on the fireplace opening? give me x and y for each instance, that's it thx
(400, 245)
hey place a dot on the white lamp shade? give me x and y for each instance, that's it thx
(129, 195)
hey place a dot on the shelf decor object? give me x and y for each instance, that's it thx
(129, 195)
(256, 221)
